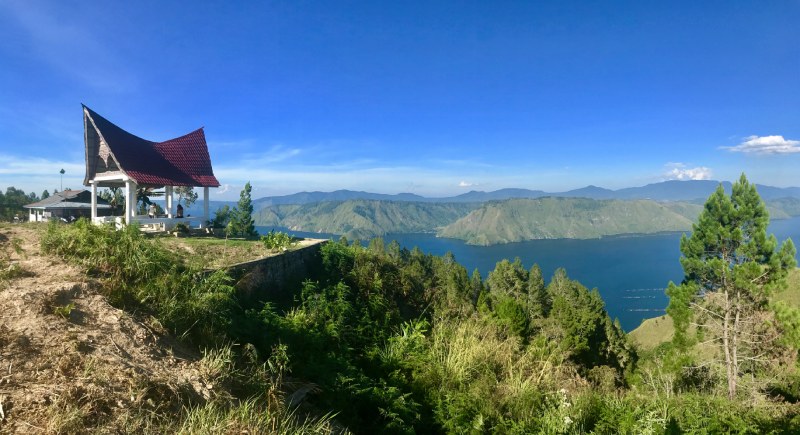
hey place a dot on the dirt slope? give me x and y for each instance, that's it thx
(70, 361)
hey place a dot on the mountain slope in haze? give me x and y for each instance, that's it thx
(675, 190)
(498, 221)
(689, 190)
(590, 191)
(518, 220)
(480, 196)
(364, 218)
(337, 195)
(783, 208)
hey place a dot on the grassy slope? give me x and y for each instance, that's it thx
(549, 218)
(364, 218)
(655, 331)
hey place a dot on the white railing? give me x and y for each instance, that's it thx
(158, 223)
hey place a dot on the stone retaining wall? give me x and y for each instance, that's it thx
(277, 278)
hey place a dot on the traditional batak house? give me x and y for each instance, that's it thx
(116, 158)
(67, 205)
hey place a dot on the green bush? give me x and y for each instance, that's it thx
(277, 241)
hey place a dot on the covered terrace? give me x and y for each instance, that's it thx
(118, 159)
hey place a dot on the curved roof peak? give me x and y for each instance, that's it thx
(182, 161)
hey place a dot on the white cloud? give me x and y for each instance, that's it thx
(38, 166)
(679, 171)
(463, 183)
(277, 153)
(225, 188)
(37, 174)
(766, 145)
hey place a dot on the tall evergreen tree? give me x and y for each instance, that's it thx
(539, 300)
(730, 267)
(476, 286)
(508, 278)
(242, 223)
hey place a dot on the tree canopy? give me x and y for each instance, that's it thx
(241, 217)
(731, 266)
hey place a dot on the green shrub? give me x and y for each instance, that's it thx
(64, 311)
(277, 241)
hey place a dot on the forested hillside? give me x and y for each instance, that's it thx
(363, 218)
(511, 220)
(551, 218)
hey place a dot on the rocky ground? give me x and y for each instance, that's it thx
(70, 361)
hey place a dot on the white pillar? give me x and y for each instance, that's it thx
(205, 205)
(168, 194)
(94, 200)
(130, 200)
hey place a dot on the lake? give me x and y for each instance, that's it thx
(630, 272)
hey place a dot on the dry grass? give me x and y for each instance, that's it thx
(652, 332)
(213, 252)
(94, 368)
(655, 331)
(792, 293)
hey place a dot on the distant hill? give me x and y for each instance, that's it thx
(691, 190)
(592, 192)
(363, 218)
(478, 196)
(518, 220)
(337, 195)
(696, 190)
(657, 330)
(783, 208)
(487, 223)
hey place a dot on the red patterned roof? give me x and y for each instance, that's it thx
(183, 161)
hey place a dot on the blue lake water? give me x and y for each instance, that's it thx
(630, 272)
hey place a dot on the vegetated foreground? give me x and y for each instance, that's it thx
(387, 340)
(69, 358)
(71, 362)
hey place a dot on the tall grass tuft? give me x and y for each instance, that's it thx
(141, 272)
(251, 416)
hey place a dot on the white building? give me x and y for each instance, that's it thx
(67, 205)
(116, 158)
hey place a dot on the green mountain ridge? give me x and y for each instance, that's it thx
(575, 218)
(364, 218)
(494, 222)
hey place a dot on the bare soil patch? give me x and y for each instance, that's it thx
(69, 361)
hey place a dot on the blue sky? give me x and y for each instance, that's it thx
(433, 97)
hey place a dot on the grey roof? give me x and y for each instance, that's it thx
(69, 199)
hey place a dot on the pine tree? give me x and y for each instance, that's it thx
(242, 223)
(730, 267)
(508, 278)
(476, 286)
(539, 301)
